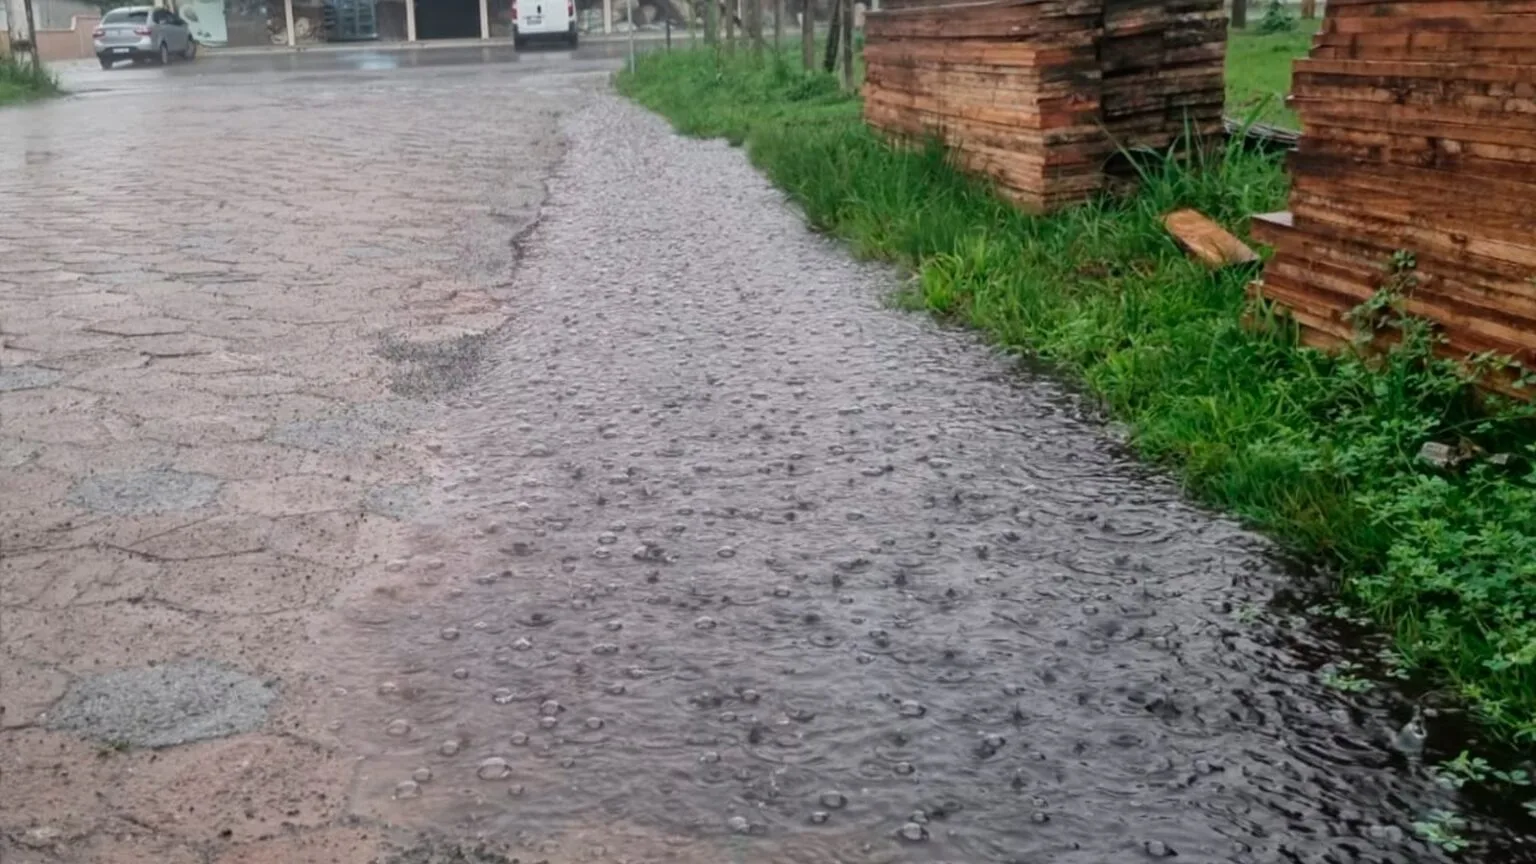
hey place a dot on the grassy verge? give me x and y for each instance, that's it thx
(1322, 453)
(1259, 72)
(23, 83)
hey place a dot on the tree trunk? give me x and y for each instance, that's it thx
(1240, 14)
(778, 27)
(730, 26)
(711, 22)
(847, 43)
(1309, 9)
(808, 35)
(834, 27)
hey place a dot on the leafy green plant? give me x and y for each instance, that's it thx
(1444, 829)
(1466, 768)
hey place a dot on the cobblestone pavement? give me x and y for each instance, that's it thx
(225, 303)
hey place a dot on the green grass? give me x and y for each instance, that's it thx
(1319, 452)
(1259, 71)
(23, 83)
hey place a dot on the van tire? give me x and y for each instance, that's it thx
(572, 39)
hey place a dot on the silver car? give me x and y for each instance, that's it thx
(141, 33)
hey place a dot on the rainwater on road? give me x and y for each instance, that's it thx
(729, 561)
(440, 461)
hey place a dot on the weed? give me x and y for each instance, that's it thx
(21, 82)
(1320, 451)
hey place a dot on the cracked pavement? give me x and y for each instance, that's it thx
(217, 288)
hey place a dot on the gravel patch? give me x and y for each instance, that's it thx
(159, 490)
(426, 369)
(27, 378)
(162, 706)
(431, 850)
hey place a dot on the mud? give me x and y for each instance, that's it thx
(730, 560)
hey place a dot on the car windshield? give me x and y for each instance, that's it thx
(126, 16)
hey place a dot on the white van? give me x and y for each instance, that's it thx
(543, 19)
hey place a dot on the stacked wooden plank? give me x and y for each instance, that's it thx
(1010, 87)
(1037, 94)
(1419, 134)
(1163, 67)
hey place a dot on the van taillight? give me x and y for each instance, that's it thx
(570, 10)
(514, 11)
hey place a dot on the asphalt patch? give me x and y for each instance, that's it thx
(165, 705)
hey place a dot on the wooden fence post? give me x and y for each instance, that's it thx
(808, 35)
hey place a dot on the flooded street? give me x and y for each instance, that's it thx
(728, 561)
(470, 471)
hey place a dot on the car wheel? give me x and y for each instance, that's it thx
(164, 58)
(106, 62)
(518, 43)
(191, 51)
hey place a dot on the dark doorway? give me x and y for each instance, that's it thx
(447, 19)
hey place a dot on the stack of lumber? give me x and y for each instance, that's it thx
(1038, 94)
(1163, 67)
(1012, 88)
(1419, 134)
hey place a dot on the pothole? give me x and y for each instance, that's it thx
(159, 490)
(162, 706)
